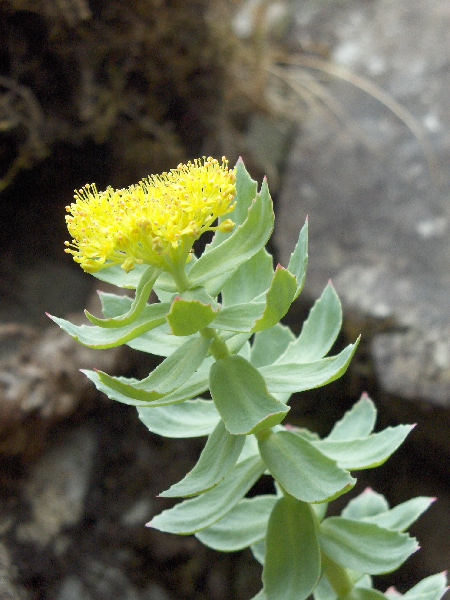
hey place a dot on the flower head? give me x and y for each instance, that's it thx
(154, 222)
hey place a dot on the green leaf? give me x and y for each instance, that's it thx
(123, 390)
(430, 588)
(244, 525)
(294, 377)
(364, 547)
(250, 279)
(177, 368)
(324, 590)
(101, 338)
(201, 512)
(259, 551)
(365, 453)
(319, 331)
(292, 564)
(302, 469)
(298, 262)
(402, 516)
(217, 459)
(361, 593)
(357, 422)
(114, 305)
(158, 341)
(279, 298)
(193, 418)
(260, 596)
(240, 317)
(269, 344)
(117, 276)
(187, 317)
(367, 504)
(143, 291)
(245, 241)
(241, 397)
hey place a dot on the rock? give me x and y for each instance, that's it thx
(9, 589)
(56, 489)
(379, 217)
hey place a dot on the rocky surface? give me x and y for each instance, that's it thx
(378, 199)
(378, 196)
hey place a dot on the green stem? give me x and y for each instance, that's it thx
(218, 347)
(338, 576)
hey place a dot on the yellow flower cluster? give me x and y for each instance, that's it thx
(154, 222)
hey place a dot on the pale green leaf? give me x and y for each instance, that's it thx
(367, 504)
(259, 551)
(193, 418)
(430, 588)
(319, 331)
(365, 453)
(364, 547)
(143, 291)
(158, 341)
(250, 279)
(117, 276)
(101, 338)
(278, 299)
(298, 262)
(244, 525)
(187, 317)
(292, 563)
(402, 516)
(216, 460)
(269, 344)
(302, 469)
(358, 422)
(201, 512)
(293, 377)
(245, 241)
(240, 317)
(241, 397)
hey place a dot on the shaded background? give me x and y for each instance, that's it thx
(112, 91)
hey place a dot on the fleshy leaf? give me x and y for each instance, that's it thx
(240, 317)
(201, 512)
(260, 596)
(124, 390)
(158, 341)
(402, 516)
(365, 453)
(241, 397)
(358, 422)
(143, 291)
(246, 191)
(269, 344)
(430, 588)
(292, 564)
(245, 241)
(259, 551)
(101, 338)
(367, 504)
(244, 525)
(279, 298)
(294, 377)
(218, 457)
(319, 331)
(187, 317)
(117, 276)
(302, 469)
(362, 593)
(364, 547)
(250, 279)
(193, 418)
(298, 262)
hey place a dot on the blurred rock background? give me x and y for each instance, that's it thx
(344, 105)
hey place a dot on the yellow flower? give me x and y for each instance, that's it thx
(154, 222)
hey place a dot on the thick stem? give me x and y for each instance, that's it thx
(338, 576)
(218, 347)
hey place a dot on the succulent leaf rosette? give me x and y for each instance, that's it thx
(229, 369)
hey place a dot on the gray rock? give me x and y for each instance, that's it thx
(57, 488)
(379, 216)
